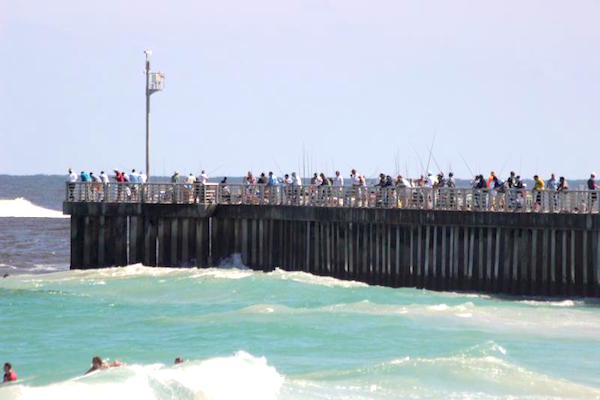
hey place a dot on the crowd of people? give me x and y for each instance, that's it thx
(429, 180)
(119, 176)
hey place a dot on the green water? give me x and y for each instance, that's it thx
(286, 335)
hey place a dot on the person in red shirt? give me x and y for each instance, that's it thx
(9, 374)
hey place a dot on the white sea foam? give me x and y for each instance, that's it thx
(23, 208)
(572, 323)
(563, 303)
(304, 277)
(241, 376)
(230, 268)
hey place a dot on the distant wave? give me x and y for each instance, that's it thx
(481, 372)
(23, 208)
(241, 376)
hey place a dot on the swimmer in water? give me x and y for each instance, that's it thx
(178, 360)
(98, 364)
(9, 374)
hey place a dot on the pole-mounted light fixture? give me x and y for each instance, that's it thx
(155, 82)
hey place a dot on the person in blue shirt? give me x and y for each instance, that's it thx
(551, 184)
(498, 184)
(272, 179)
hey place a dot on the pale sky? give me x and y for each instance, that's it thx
(249, 84)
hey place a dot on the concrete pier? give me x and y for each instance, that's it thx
(512, 253)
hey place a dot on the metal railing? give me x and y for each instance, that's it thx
(154, 193)
(331, 196)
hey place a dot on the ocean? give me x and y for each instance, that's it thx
(256, 335)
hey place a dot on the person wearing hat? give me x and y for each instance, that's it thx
(591, 183)
(429, 179)
(538, 187)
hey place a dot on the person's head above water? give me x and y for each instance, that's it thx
(178, 360)
(97, 362)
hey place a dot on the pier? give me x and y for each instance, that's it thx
(516, 242)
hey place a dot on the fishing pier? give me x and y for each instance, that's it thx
(516, 242)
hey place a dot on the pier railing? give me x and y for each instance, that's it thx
(332, 196)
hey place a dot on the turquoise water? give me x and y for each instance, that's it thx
(284, 335)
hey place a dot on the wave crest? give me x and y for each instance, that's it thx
(23, 208)
(239, 376)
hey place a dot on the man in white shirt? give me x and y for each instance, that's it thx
(338, 180)
(190, 179)
(296, 181)
(338, 183)
(429, 180)
(355, 178)
(203, 178)
(103, 177)
(143, 177)
(355, 195)
(71, 179)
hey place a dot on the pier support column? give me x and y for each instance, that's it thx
(90, 242)
(119, 240)
(77, 235)
(136, 240)
(202, 250)
(150, 237)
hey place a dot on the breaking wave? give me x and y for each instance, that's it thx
(23, 208)
(304, 277)
(231, 269)
(239, 376)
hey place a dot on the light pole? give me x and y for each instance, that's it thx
(155, 81)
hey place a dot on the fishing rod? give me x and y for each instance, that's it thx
(503, 166)
(430, 153)
(215, 169)
(434, 160)
(278, 167)
(467, 164)
(418, 156)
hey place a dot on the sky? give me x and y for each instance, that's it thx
(297, 85)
